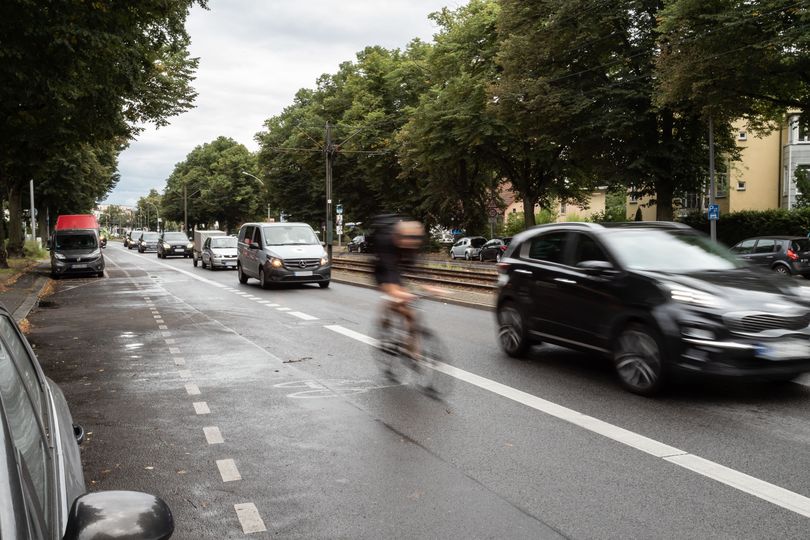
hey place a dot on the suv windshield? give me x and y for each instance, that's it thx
(175, 237)
(291, 235)
(223, 242)
(76, 241)
(668, 251)
(150, 237)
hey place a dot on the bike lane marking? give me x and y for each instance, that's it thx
(249, 518)
(761, 489)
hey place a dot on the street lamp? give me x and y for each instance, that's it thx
(263, 184)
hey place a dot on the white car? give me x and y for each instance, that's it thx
(467, 247)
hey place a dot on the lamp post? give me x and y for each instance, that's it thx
(157, 211)
(263, 184)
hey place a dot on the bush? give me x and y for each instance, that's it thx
(32, 250)
(736, 226)
(515, 222)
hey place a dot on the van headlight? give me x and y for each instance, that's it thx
(96, 253)
(276, 263)
(324, 261)
(59, 256)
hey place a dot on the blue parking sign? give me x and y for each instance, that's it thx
(714, 212)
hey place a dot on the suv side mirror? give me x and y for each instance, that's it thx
(119, 515)
(596, 268)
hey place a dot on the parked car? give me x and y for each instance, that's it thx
(148, 241)
(659, 299)
(358, 244)
(131, 238)
(200, 236)
(173, 244)
(41, 481)
(783, 254)
(494, 249)
(467, 247)
(281, 253)
(75, 246)
(219, 252)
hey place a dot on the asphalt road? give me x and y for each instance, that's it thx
(253, 410)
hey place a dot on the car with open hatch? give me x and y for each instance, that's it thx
(42, 486)
(658, 299)
(276, 253)
(174, 244)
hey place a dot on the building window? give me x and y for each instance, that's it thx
(563, 207)
(633, 197)
(799, 129)
(742, 136)
(740, 185)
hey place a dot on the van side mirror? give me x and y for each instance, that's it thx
(119, 515)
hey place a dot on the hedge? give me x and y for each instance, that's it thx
(736, 226)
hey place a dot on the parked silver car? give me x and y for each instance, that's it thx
(467, 247)
(281, 253)
(219, 252)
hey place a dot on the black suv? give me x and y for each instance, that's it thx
(657, 298)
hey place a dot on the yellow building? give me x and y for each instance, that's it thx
(564, 212)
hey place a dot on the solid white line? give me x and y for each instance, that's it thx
(228, 471)
(303, 316)
(192, 389)
(174, 350)
(748, 484)
(184, 374)
(213, 435)
(282, 309)
(201, 407)
(167, 334)
(249, 518)
(352, 334)
(170, 341)
(178, 361)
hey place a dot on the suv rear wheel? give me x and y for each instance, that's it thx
(781, 269)
(639, 360)
(512, 334)
(241, 275)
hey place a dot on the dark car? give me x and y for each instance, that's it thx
(358, 244)
(174, 244)
(659, 299)
(148, 241)
(783, 254)
(494, 249)
(42, 487)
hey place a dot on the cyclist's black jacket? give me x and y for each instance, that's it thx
(390, 263)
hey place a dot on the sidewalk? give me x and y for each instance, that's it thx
(457, 295)
(19, 291)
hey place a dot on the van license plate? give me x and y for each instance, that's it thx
(303, 273)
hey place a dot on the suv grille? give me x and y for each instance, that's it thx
(301, 264)
(752, 324)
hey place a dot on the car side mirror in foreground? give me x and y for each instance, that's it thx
(596, 268)
(119, 515)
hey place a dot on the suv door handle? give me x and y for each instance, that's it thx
(563, 280)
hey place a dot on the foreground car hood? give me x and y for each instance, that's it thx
(313, 251)
(745, 289)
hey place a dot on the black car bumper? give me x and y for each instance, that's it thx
(60, 268)
(176, 251)
(738, 359)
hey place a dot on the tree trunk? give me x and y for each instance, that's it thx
(664, 186)
(663, 198)
(42, 225)
(16, 238)
(528, 211)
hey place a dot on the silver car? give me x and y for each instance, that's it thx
(281, 253)
(467, 247)
(219, 252)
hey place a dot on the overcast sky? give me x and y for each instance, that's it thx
(254, 55)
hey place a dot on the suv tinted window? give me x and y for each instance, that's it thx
(548, 247)
(588, 250)
(765, 246)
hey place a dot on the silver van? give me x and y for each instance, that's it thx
(281, 253)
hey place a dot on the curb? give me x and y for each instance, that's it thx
(31, 300)
(454, 301)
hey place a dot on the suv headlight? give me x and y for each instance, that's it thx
(276, 262)
(688, 295)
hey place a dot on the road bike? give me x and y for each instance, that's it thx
(402, 362)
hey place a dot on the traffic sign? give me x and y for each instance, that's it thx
(338, 209)
(493, 212)
(714, 212)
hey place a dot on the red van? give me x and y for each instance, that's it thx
(75, 246)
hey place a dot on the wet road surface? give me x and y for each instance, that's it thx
(262, 413)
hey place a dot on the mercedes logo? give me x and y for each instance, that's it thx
(302, 263)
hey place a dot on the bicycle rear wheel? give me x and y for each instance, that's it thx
(432, 381)
(389, 348)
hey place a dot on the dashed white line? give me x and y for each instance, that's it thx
(748, 484)
(201, 407)
(163, 327)
(157, 316)
(170, 341)
(803, 379)
(213, 435)
(282, 309)
(184, 374)
(192, 389)
(264, 301)
(303, 316)
(228, 471)
(272, 305)
(249, 518)
(166, 334)
(179, 361)
(174, 350)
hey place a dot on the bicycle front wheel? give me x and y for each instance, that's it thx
(388, 351)
(432, 381)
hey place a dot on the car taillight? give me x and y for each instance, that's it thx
(792, 255)
(503, 248)
(502, 267)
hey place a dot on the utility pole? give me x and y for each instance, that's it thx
(33, 211)
(185, 209)
(712, 186)
(329, 152)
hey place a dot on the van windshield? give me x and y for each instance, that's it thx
(76, 241)
(290, 235)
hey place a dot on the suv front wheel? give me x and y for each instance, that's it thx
(639, 360)
(512, 333)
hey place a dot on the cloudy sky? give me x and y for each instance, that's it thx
(254, 55)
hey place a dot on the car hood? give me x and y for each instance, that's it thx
(311, 251)
(744, 289)
(224, 251)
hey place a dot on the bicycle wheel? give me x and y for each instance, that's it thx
(431, 381)
(389, 348)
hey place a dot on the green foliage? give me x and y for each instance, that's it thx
(736, 226)
(615, 207)
(515, 221)
(33, 250)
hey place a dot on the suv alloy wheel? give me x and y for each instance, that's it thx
(639, 360)
(512, 334)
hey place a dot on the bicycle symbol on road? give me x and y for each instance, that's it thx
(329, 388)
